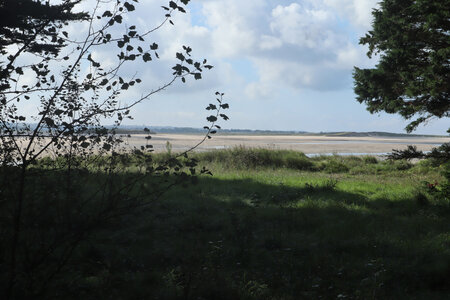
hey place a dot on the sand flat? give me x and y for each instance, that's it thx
(305, 143)
(308, 144)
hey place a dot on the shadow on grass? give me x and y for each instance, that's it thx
(241, 239)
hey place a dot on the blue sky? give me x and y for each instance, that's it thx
(283, 65)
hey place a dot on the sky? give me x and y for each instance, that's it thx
(283, 65)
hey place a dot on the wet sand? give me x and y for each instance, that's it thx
(304, 143)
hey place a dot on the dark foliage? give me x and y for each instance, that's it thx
(439, 156)
(412, 76)
(51, 196)
(33, 27)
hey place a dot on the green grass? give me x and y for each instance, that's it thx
(285, 235)
(278, 225)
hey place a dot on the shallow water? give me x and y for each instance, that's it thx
(346, 154)
(356, 142)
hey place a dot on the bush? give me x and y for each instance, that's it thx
(399, 165)
(370, 159)
(244, 158)
(299, 162)
(333, 166)
(402, 165)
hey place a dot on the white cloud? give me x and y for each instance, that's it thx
(232, 25)
(258, 90)
(297, 44)
(268, 42)
(358, 12)
(301, 26)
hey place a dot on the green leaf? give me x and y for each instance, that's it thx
(173, 5)
(128, 6)
(107, 13)
(211, 118)
(147, 57)
(49, 121)
(118, 19)
(180, 56)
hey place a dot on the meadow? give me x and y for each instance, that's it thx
(275, 224)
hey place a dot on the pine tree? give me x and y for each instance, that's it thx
(412, 76)
(31, 26)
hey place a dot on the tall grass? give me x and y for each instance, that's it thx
(244, 158)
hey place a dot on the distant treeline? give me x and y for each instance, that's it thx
(191, 130)
(140, 129)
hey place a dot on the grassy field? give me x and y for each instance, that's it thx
(278, 225)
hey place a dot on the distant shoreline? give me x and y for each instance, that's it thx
(311, 145)
(199, 131)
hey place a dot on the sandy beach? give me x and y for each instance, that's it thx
(307, 144)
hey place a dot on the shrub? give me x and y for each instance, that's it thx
(402, 165)
(244, 158)
(334, 166)
(370, 160)
(299, 162)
